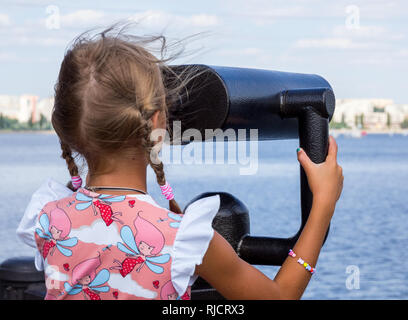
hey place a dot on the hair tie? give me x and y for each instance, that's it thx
(167, 191)
(76, 182)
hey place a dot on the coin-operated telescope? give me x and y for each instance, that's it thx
(280, 105)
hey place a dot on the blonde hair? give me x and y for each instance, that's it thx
(109, 87)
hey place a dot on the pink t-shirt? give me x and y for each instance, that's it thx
(97, 247)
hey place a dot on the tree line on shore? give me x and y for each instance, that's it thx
(7, 123)
(359, 122)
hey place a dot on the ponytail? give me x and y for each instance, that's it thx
(76, 181)
(157, 165)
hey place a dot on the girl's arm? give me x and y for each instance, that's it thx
(292, 277)
(236, 279)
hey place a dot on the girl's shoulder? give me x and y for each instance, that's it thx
(192, 240)
(46, 195)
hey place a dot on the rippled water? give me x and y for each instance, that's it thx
(368, 231)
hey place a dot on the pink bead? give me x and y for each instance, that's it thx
(167, 191)
(76, 182)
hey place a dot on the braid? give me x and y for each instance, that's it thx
(157, 165)
(72, 167)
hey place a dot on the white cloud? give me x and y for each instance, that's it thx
(380, 9)
(152, 18)
(363, 37)
(373, 9)
(4, 20)
(130, 286)
(363, 31)
(33, 34)
(251, 51)
(278, 12)
(368, 33)
(83, 18)
(97, 233)
(203, 20)
(8, 57)
(241, 52)
(41, 41)
(36, 32)
(403, 53)
(338, 43)
(264, 12)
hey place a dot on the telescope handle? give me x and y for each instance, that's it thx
(313, 139)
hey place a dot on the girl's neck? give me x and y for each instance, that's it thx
(124, 173)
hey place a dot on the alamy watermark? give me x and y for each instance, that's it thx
(53, 20)
(353, 17)
(353, 280)
(239, 149)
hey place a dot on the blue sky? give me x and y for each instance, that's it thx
(360, 47)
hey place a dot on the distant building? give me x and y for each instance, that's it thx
(10, 106)
(377, 114)
(396, 114)
(45, 106)
(26, 107)
(374, 120)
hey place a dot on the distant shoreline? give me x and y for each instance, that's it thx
(367, 131)
(334, 131)
(28, 131)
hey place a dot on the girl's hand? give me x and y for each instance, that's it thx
(235, 279)
(325, 179)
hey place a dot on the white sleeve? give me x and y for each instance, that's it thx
(192, 239)
(49, 191)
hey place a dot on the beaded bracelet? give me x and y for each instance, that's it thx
(303, 263)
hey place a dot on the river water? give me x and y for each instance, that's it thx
(365, 254)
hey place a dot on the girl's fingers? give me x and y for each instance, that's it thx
(304, 160)
(332, 153)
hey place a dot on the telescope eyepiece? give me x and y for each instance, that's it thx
(293, 102)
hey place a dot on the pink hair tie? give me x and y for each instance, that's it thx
(76, 182)
(167, 191)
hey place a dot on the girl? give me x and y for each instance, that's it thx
(109, 99)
